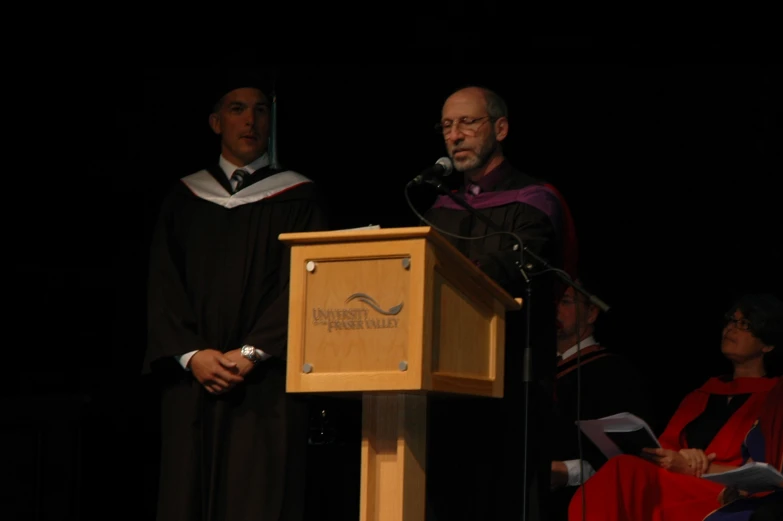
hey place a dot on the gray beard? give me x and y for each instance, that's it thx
(481, 158)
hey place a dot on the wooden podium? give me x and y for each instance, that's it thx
(392, 314)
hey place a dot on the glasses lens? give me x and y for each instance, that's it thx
(740, 323)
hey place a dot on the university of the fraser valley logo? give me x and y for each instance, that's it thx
(353, 318)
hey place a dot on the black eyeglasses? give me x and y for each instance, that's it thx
(466, 125)
(740, 323)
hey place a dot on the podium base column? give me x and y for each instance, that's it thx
(394, 444)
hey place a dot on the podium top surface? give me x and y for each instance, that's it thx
(363, 234)
(386, 234)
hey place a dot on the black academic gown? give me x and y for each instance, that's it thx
(607, 383)
(219, 279)
(476, 445)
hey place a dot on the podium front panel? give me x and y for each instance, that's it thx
(392, 310)
(362, 313)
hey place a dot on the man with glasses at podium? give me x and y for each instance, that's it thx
(503, 468)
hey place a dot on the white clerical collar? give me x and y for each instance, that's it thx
(228, 167)
(587, 342)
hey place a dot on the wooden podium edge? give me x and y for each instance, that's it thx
(302, 238)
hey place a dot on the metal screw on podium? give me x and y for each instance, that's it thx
(406, 263)
(403, 366)
(310, 266)
(307, 368)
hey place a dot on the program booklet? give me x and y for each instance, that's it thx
(622, 433)
(751, 477)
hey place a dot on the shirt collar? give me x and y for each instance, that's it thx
(229, 167)
(587, 342)
(491, 180)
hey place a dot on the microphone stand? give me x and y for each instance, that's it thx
(527, 352)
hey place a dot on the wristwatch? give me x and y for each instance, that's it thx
(249, 352)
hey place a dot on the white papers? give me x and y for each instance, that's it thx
(622, 433)
(751, 477)
(368, 227)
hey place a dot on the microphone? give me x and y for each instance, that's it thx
(442, 167)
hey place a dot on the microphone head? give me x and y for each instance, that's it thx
(447, 165)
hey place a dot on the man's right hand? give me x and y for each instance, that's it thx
(214, 371)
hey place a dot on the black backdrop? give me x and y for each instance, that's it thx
(670, 171)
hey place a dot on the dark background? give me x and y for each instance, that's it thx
(670, 171)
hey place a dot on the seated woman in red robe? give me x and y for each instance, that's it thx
(764, 443)
(705, 434)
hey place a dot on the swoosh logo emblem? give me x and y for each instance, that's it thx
(363, 297)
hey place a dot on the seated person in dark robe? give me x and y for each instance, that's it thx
(607, 382)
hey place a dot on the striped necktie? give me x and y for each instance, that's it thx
(239, 178)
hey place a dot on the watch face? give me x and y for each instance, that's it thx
(248, 352)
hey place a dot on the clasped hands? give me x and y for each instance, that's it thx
(219, 372)
(693, 462)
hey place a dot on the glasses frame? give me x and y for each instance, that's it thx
(461, 123)
(743, 324)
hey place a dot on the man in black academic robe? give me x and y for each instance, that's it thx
(591, 382)
(477, 466)
(233, 442)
